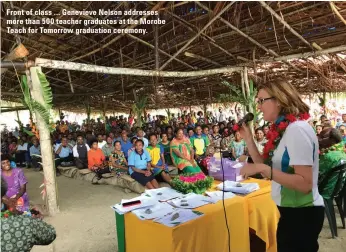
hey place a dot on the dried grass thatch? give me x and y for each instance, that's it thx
(196, 36)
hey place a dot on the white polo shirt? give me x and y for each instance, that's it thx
(298, 146)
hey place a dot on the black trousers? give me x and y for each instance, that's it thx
(101, 171)
(35, 160)
(298, 228)
(59, 160)
(20, 157)
(81, 163)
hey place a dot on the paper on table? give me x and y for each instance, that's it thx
(190, 201)
(178, 216)
(156, 211)
(236, 187)
(163, 193)
(145, 202)
(217, 195)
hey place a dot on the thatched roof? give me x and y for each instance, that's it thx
(225, 34)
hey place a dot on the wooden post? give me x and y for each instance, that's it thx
(46, 145)
(250, 105)
(243, 88)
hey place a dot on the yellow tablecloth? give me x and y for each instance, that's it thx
(208, 232)
(205, 234)
(263, 213)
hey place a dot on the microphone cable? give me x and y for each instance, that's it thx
(223, 199)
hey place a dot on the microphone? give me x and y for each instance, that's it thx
(247, 118)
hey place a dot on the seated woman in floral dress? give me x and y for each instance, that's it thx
(182, 154)
(16, 196)
(117, 160)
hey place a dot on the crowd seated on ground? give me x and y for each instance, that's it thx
(185, 141)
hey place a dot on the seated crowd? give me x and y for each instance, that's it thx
(186, 142)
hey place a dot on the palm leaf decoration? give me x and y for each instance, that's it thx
(46, 90)
(138, 108)
(169, 114)
(26, 92)
(236, 95)
(33, 105)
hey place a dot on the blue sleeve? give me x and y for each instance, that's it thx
(148, 155)
(132, 159)
(162, 150)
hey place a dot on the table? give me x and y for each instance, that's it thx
(263, 213)
(207, 233)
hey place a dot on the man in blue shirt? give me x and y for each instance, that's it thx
(35, 154)
(125, 143)
(63, 154)
(140, 135)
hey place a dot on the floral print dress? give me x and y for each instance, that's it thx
(119, 159)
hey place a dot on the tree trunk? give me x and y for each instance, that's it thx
(46, 145)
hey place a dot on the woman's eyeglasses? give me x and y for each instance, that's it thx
(260, 101)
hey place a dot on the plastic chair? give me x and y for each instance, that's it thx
(337, 194)
(341, 203)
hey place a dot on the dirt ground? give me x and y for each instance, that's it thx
(87, 223)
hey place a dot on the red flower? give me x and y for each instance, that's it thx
(236, 127)
(282, 125)
(265, 155)
(269, 134)
(6, 215)
(272, 127)
(269, 146)
(274, 135)
(304, 116)
(291, 118)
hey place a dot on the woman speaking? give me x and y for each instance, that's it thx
(290, 160)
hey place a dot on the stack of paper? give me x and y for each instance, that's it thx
(236, 187)
(178, 216)
(163, 193)
(157, 211)
(145, 202)
(190, 201)
(217, 195)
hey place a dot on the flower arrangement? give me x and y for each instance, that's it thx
(196, 183)
(276, 132)
(335, 147)
(6, 214)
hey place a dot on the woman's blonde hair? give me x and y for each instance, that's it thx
(287, 96)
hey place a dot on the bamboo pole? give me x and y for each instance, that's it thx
(335, 10)
(197, 35)
(156, 7)
(307, 54)
(161, 51)
(250, 105)
(192, 55)
(195, 29)
(157, 59)
(56, 64)
(271, 52)
(46, 145)
(70, 81)
(282, 21)
(243, 88)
